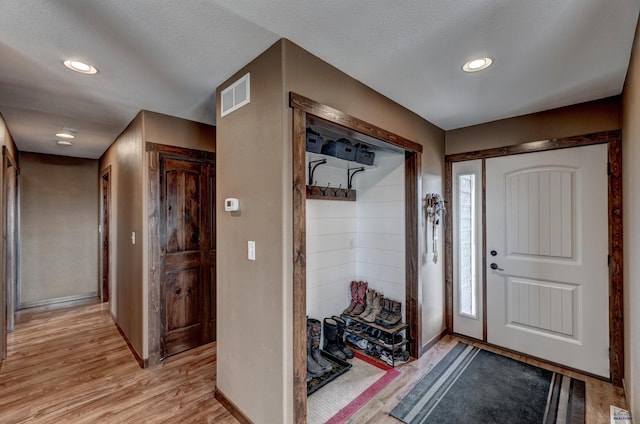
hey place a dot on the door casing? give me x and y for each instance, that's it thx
(105, 230)
(613, 139)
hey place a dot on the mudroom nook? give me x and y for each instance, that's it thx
(358, 284)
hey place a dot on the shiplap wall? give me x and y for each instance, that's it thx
(361, 240)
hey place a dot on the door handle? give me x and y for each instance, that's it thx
(495, 267)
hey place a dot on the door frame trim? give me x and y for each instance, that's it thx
(10, 272)
(106, 172)
(613, 139)
(302, 108)
(154, 151)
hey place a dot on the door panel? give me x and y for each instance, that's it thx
(547, 221)
(188, 259)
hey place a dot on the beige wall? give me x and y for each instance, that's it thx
(252, 299)
(631, 216)
(58, 228)
(129, 188)
(254, 364)
(125, 158)
(583, 118)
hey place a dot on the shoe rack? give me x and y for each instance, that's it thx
(391, 332)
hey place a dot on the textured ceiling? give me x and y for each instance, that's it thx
(169, 56)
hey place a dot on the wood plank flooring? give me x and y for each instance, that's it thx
(72, 366)
(599, 394)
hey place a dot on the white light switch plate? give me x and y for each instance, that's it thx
(251, 250)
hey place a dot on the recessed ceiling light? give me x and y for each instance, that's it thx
(65, 135)
(476, 65)
(64, 143)
(78, 66)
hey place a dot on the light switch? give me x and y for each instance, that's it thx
(133, 237)
(251, 250)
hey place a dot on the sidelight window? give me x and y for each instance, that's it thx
(467, 275)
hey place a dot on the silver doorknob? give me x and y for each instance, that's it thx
(494, 266)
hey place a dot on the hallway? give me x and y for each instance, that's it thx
(72, 365)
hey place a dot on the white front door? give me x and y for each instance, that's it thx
(547, 238)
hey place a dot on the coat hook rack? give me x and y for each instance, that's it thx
(324, 190)
(350, 173)
(312, 168)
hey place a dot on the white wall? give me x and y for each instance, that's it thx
(331, 256)
(381, 228)
(361, 240)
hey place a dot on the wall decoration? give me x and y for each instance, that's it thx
(435, 210)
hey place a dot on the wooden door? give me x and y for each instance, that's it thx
(187, 289)
(547, 254)
(106, 211)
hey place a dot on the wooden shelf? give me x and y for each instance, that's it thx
(335, 162)
(391, 330)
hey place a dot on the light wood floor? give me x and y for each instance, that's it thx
(599, 394)
(72, 366)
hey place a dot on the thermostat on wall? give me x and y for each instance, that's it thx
(231, 204)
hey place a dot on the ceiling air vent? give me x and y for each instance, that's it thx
(235, 96)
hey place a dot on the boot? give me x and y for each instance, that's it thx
(331, 338)
(362, 291)
(341, 325)
(354, 297)
(371, 294)
(313, 369)
(314, 327)
(386, 307)
(394, 316)
(376, 308)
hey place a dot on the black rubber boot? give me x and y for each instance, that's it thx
(314, 327)
(331, 338)
(313, 369)
(341, 325)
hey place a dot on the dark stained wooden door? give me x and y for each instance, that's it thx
(187, 293)
(106, 210)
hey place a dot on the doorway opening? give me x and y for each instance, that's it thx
(533, 219)
(304, 110)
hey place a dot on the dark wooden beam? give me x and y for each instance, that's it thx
(335, 116)
(537, 146)
(299, 268)
(616, 297)
(448, 247)
(412, 286)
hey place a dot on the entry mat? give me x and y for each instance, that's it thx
(472, 385)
